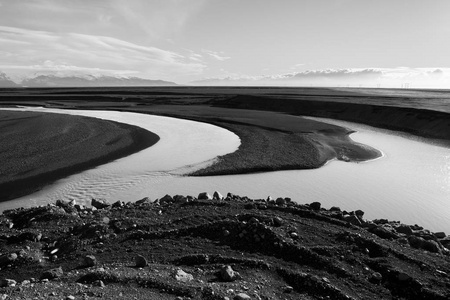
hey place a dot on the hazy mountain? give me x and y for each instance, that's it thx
(90, 81)
(6, 82)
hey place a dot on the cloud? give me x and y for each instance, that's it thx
(369, 77)
(31, 49)
(216, 55)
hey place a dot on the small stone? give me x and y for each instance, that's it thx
(100, 203)
(359, 213)
(140, 261)
(99, 283)
(182, 276)
(70, 297)
(241, 296)
(376, 277)
(7, 282)
(288, 289)
(52, 273)
(277, 221)
(89, 261)
(7, 259)
(226, 273)
(315, 205)
(280, 201)
(294, 235)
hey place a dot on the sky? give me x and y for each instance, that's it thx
(249, 42)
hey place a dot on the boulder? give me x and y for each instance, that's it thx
(204, 196)
(99, 203)
(226, 273)
(335, 208)
(180, 199)
(352, 219)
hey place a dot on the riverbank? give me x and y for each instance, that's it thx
(233, 246)
(39, 148)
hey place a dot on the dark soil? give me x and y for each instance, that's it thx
(38, 148)
(282, 250)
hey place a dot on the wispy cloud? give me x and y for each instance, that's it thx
(216, 55)
(25, 49)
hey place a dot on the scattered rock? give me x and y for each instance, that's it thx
(226, 273)
(182, 276)
(100, 203)
(140, 261)
(52, 273)
(217, 196)
(204, 196)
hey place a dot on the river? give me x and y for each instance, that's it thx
(410, 183)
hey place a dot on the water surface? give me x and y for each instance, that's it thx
(410, 183)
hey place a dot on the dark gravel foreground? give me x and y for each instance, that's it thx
(227, 248)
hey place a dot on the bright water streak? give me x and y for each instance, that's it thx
(411, 183)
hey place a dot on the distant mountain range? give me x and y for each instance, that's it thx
(79, 81)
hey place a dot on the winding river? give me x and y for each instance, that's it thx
(410, 183)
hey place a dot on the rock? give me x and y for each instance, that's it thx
(166, 199)
(52, 273)
(384, 232)
(70, 297)
(376, 277)
(140, 261)
(431, 246)
(217, 196)
(352, 219)
(226, 273)
(242, 296)
(144, 201)
(403, 276)
(440, 235)
(294, 235)
(89, 261)
(288, 289)
(99, 204)
(315, 205)
(405, 229)
(182, 276)
(335, 208)
(180, 199)
(415, 241)
(7, 282)
(99, 283)
(118, 204)
(359, 213)
(7, 259)
(280, 201)
(204, 196)
(277, 221)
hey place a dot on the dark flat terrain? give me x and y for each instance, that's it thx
(282, 250)
(38, 148)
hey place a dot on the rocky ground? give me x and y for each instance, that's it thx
(181, 247)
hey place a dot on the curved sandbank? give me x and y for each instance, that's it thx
(39, 148)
